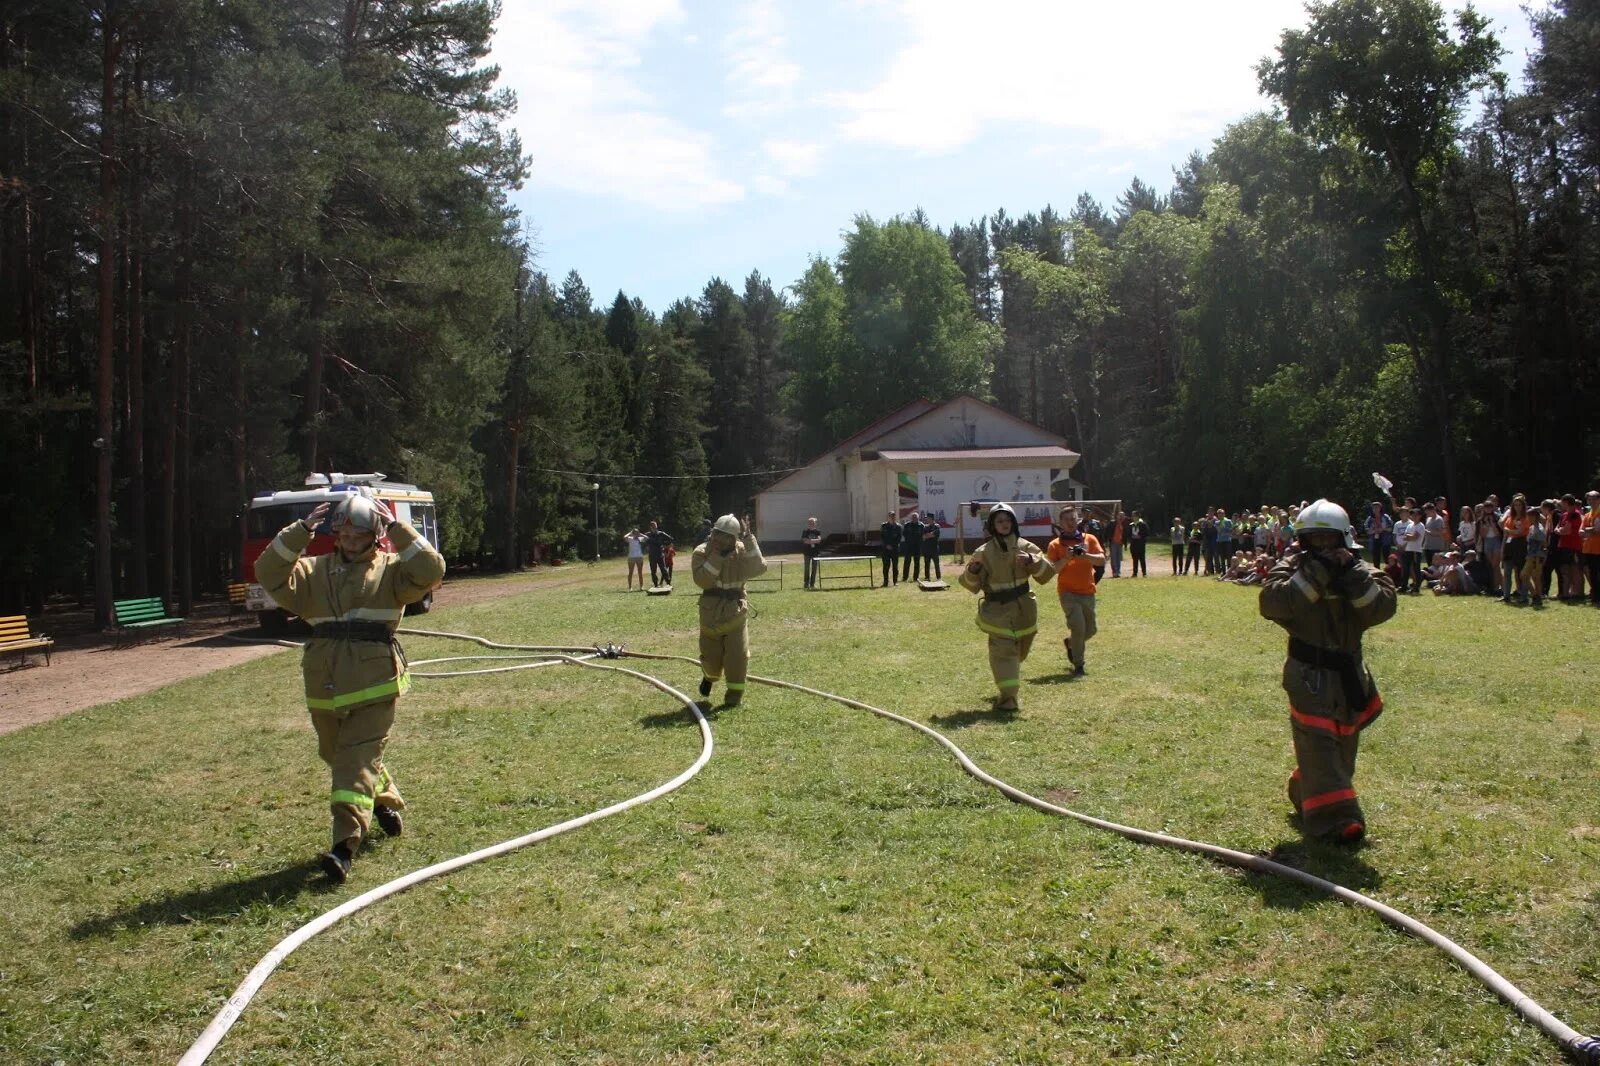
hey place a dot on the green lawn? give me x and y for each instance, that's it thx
(831, 888)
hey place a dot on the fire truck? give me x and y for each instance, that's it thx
(271, 511)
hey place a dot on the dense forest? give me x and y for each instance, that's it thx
(243, 241)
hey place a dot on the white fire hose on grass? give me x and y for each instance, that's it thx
(1581, 1048)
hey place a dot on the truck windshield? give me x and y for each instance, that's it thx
(266, 521)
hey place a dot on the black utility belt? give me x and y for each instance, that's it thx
(724, 594)
(1327, 658)
(1016, 592)
(375, 632)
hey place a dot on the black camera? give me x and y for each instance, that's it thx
(1077, 549)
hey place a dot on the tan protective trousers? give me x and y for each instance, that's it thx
(1079, 610)
(351, 743)
(727, 653)
(1006, 656)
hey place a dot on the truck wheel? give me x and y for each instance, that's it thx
(272, 623)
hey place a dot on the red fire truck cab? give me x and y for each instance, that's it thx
(271, 511)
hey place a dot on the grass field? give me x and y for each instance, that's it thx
(831, 888)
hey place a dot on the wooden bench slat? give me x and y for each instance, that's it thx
(18, 645)
(13, 632)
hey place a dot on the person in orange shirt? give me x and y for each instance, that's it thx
(1075, 582)
(1590, 531)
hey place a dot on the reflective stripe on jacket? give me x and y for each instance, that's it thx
(712, 571)
(342, 674)
(995, 569)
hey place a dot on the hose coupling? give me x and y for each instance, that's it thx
(1587, 1050)
(609, 651)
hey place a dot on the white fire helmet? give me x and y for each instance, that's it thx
(999, 508)
(357, 510)
(727, 524)
(1324, 516)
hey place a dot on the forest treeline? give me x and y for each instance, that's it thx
(240, 242)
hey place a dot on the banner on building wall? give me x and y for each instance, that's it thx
(944, 491)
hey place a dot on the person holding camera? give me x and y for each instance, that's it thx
(1077, 555)
(1326, 598)
(720, 567)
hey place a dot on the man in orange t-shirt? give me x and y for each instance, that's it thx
(1075, 582)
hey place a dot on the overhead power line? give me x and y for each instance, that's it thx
(654, 477)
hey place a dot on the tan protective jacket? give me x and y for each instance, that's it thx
(342, 674)
(1330, 612)
(995, 569)
(719, 615)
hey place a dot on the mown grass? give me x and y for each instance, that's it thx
(831, 888)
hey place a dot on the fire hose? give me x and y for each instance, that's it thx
(1581, 1048)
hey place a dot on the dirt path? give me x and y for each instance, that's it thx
(89, 668)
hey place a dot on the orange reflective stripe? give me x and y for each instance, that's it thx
(1339, 729)
(1313, 802)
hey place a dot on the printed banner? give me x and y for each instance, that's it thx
(943, 492)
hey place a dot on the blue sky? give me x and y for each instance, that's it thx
(678, 140)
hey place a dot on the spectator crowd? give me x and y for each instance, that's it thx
(1520, 551)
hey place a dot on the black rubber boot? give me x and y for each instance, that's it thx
(705, 686)
(335, 863)
(388, 819)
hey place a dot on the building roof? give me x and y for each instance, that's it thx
(898, 417)
(1048, 451)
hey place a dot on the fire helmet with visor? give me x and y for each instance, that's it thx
(1324, 516)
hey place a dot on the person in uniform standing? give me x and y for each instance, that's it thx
(658, 539)
(911, 548)
(720, 568)
(354, 669)
(1009, 612)
(810, 548)
(1326, 598)
(931, 566)
(890, 532)
(1078, 557)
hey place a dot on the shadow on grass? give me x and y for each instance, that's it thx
(1331, 862)
(680, 716)
(962, 719)
(1066, 677)
(198, 905)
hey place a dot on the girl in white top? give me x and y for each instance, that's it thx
(1409, 533)
(635, 542)
(1466, 530)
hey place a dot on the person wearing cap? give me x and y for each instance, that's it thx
(1326, 598)
(354, 669)
(1009, 612)
(720, 567)
(932, 568)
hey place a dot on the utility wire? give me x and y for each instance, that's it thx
(653, 477)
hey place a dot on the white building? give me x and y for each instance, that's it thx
(926, 457)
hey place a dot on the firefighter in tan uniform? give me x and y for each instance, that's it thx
(353, 599)
(1008, 612)
(1326, 597)
(720, 567)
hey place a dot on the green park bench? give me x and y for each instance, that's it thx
(135, 615)
(15, 637)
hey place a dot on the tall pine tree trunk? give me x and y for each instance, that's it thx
(139, 564)
(311, 411)
(105, 363)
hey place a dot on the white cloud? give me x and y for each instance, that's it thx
(794, 159)
(589, 125)
(761, 77)
(1178, 70)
